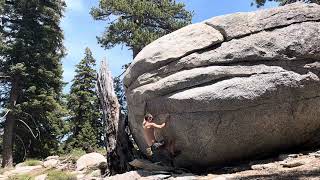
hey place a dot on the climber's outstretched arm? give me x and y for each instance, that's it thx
(154, 125)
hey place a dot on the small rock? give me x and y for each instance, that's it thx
(80, 176)
(263, 166)
(283, 157)
(51, 157)
(313, 154)
(294, 155)
(292, 164)
(161, 176)
(139, 174)
(317, 155)
(20, 165)
(187, 176)
(51, 163)
(222, 177)
(41, 177)
(96, 173)
(90, 160)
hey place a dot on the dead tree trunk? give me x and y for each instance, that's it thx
(118, 145)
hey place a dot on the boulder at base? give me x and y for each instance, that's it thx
(51, 163)
(90, 160)
(232, 87)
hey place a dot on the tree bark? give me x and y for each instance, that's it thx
(118, 145)
(9, 128)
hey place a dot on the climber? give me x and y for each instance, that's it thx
(162, 152)
(148, 131)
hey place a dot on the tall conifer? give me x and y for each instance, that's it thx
(136, 23)
(31, 72)
(86, 122)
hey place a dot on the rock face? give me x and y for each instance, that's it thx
(234, 86)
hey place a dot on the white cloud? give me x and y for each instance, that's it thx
(75, 5)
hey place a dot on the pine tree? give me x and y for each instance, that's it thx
(31, 72)
(260, 3)
(119, 90)
(86, 122)
(139, 22)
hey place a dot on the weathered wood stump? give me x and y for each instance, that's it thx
(119, 147)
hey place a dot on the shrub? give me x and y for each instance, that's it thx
(75, 154)
(101, 150)
(60, 175)
(32, 162)
(20, 177)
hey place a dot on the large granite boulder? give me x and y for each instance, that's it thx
(232, 87)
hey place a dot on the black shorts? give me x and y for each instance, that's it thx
(157, 145)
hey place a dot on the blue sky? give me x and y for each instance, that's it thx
(80, 31)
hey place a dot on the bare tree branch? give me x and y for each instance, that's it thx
(2, 76)
(5, 115)
(24, 123)
(38, 135)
